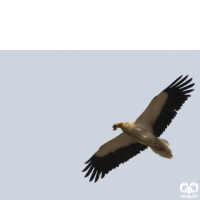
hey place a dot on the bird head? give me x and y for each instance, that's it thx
(118, 125)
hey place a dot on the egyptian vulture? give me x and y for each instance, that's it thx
(142, 133)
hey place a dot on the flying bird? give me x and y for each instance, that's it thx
(142, 133)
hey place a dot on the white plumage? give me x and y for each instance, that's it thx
(142, 133)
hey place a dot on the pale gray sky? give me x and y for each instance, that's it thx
(58, 108)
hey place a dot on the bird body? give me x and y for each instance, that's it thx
(145, 136)
(142, 133)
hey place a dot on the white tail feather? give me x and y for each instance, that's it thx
(161, 148)
(164, 141)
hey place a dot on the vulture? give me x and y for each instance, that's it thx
(143, 132)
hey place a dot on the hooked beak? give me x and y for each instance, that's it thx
(114, 127)
(117, 125)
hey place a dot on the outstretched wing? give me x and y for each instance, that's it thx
(111, 154)
(163, 108)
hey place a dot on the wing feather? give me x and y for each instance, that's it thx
(111, 154)
(163, 108)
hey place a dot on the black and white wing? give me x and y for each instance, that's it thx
(111, 154)
(163, 108)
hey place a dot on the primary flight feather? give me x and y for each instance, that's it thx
(137, 135)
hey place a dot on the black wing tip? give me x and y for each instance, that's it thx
(88, 161)
(98, 167)
(180, 82)
(184, 77)
(178, 92)
(180, 77)
(84, 169)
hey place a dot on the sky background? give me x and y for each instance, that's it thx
(58, 107)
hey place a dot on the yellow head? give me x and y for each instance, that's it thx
(118, 125)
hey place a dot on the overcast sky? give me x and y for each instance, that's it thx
(58, 108)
